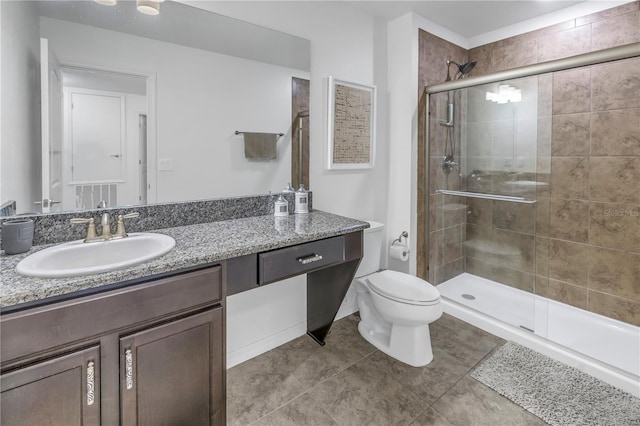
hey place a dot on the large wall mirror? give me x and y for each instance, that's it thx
(104, 103)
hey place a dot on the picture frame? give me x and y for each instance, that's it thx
(351, 125)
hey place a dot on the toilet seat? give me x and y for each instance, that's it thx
(403, 288)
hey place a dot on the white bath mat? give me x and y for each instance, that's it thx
(555, 392)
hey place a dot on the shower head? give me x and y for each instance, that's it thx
(304, 113)
(466, 68)
(463, 69)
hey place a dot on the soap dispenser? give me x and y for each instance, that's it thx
(281, 207)
(302, 201)
(289, 189)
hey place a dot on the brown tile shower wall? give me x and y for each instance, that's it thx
(447, 230)
(500, 242)
(587, 221)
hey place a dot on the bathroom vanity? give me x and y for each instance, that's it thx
(146, 345)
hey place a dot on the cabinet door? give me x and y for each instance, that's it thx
(60, 391)
(173, 374)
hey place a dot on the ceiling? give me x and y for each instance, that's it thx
(188, 26)
(466, 18)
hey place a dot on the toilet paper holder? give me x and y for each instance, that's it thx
(405, 235)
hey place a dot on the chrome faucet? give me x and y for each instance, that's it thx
(105, 223)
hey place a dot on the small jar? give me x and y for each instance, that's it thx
(281, 207)
(289, 189)
(302, 201)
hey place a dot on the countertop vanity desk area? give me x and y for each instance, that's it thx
(146, 344)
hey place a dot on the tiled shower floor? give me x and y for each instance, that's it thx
(348, 382)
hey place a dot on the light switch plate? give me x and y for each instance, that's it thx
(165, 164)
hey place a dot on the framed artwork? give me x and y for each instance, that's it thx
(352, 136)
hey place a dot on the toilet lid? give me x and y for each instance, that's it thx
(403, 288)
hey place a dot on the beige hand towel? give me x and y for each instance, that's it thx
(260, 146)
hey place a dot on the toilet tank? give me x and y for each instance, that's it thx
(373, 237)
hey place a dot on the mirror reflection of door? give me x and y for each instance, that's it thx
(51, 127)
(300, 89)
(102, 138)
(142, 158)
(96, 128)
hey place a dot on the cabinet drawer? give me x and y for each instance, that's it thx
(63, 323)
(287, 262)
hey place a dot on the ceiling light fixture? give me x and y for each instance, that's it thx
(148, 7)
(505, 94)
(107, 2)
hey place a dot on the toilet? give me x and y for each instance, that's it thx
(395, 308)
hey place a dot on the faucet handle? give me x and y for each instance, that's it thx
(129, 215)
(120, 230)
(91, 229)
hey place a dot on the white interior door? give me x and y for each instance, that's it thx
(51, 118)
(97, 134)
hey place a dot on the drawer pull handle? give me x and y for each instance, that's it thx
(90, 383)
(128, 360)
(310, 259)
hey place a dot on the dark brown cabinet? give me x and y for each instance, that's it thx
(61, 391)
(148, 354)
(172, 372)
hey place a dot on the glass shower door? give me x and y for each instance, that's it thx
(484, 187)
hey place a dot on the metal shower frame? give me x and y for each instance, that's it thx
(586, 59)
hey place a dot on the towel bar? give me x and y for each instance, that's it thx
(486, 196)
(240, 133)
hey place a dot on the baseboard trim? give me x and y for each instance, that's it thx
(346, 310)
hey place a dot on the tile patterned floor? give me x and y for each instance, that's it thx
(348, 382)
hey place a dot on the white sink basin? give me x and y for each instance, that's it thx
(78, 258)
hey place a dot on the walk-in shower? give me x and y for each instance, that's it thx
(536, 236)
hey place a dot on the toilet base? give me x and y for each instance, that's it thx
(410, 345)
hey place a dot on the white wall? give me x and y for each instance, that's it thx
(201, 99)
(264, 318)
(20, 105)
(403, 100)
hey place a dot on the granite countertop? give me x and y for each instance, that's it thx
(195, 245)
